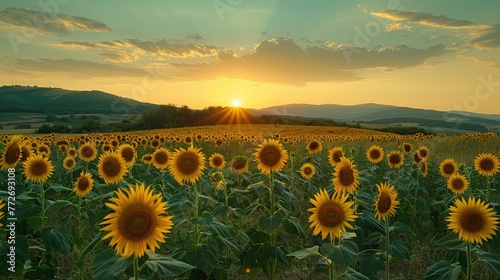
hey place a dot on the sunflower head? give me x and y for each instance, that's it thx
(69, 163)
(334, 155)
(307, 170)
(395, 159)
(270, 156)
(111, 167)
(473, 220)
(160, 158)
(128, 153)
(407, 148)
(147, 158)
(386, 203)
(314, 147)
(12, 153)
(448, 167)
(187, 165)
(87, 152)
(2, 205)
(217, 161)
(239, 165)
(458, 183)
(84, 184)
(487, 164)
(423, 152)
(375, 154)
(331, 216)
(37, 169)
(217, 179)
(346, 176)
(72, 152)
(138, 221)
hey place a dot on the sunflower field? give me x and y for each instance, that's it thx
(250, 202)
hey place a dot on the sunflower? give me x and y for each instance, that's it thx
(219, 142)
(26, 152)
(307, 170)
(139, 221)
(473, 220)
(12, 153)
(186, 165)
(486, 164)
(111, 167)
(160, 158)
(84, 184)
(375, 154)
(386, 203)
(270, 156)
(72, 152)
(38, 169)
(334, 155)
(128, 153)
(448, 167)
(217, 179)
(147, 158)
(69, 163)
(2, 205)
(314, 147)
(240, 165)
(457, 183)
(395, 159)
(416, 158)
(87, 152)
(346, 176)
(407, 148)
(423, 152)
(331, 216)
(43, 149)
(217, 161)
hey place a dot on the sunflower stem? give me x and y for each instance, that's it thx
(136, 268)
(42, 203)
(273, 234)
(226, 203)
(469, 261)
(80, 217)
(196, 228)
(386, 249)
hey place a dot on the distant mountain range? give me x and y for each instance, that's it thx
(23, 99)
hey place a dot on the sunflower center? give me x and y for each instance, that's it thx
(449, 169)
(395, 159)
(346, 175)
(187, 163)
(12, 154)
(457, 184)
(270, 156)
(313, 146)
(336, 156)
(308, 170)
(331, 214)
(374, 154)
(69, 163)
(155, 143)
(472, 221)
(422, 153)
(38, 168)
(43, 149)
(416, 158)
(486, 164)
(137, 222)
(384, 203)
(217, 161)
(161, 157)
(407, 148)
(239, 164)
(87, 151)
(83, 183)
(128, 154)
(111, 167)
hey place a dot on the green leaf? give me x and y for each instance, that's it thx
(58, 187)
(269, 225)
(443, 270)
(96, 240)
(343, 255)
(490, 261)
(400, 227)
(58, 240)
(399, 250)
(279, 255)
(167, 266)
(452, 242)
(370, 263)
(292, 226)
(373, 239)
(305, 253)
(352, 274)
(257, 236)
(107, 265)
(203, 256)
(257, 255)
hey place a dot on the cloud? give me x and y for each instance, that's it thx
(133, 49)
(41, 22)
(483, 36)
(427, 19)
(81, 68)
(282, 61)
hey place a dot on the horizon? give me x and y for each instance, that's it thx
(424, 55)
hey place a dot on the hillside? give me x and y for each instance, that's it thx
(19, 99)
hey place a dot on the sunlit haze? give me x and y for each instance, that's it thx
(442, 55)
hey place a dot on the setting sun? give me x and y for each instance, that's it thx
(236, 103)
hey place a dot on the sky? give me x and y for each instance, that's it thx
(441, 55)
